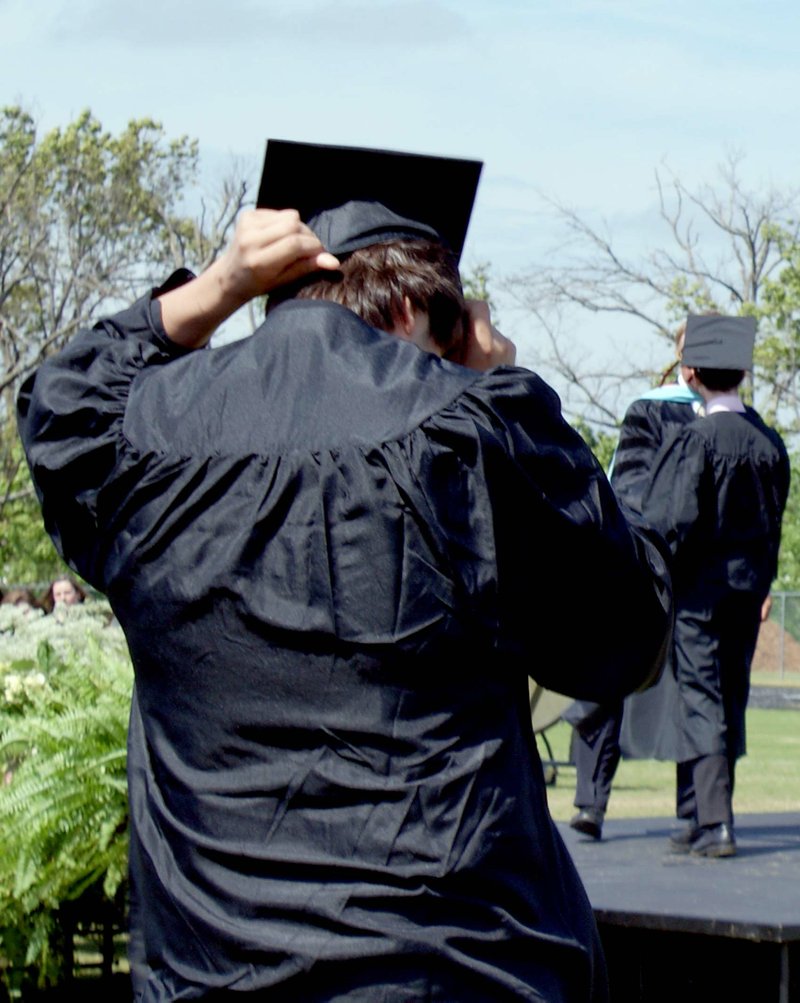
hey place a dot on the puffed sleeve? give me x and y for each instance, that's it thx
(70, 416)
(639, 442)
(568, 561)
(672, 502)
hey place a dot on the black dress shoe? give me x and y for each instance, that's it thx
(589, 821)
(714, 841)
(681, 840)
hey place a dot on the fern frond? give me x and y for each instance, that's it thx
(64, 813)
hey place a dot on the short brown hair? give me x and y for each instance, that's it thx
(374, 281)
(720, 380)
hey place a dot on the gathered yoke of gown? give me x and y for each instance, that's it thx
(336, 558)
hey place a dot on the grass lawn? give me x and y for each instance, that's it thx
(767, 779)
(788, 679)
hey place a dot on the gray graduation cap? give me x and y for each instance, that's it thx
(352, 197)
(719, 342)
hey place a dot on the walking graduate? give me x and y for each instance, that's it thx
(717, 496)
(646, 723)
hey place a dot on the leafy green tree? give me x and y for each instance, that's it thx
(788, 578)
(779, 353)
(26, 551)
(778, 313)
(476, 283)
(601, 443)
(88, 220)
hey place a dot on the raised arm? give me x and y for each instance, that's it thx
(483, 347)
(269, 249)
(71, 412)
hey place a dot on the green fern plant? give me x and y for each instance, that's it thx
(63, 803)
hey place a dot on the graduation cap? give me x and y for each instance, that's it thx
(352, 197)
(719, 342)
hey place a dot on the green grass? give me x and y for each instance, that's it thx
(789, 680)
(767, 779)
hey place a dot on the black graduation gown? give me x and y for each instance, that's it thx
(717, 497)
(647, 726)
(648, 423)
(650, 719)
(336, 558)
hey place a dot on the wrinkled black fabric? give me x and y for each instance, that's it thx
(647, 424)
(650, 725)
(647, 725)
(717, 496)
(335, 559)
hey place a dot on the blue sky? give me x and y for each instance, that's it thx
(576, 99)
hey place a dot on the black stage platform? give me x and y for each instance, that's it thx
(687, 929)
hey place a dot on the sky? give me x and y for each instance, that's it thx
(574, 100)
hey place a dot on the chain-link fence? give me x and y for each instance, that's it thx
(778, 648)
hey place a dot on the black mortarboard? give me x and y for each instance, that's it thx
(352, 197)
(719, 342)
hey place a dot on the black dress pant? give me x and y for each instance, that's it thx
(705, 790)
(714, 645)
(596, 753)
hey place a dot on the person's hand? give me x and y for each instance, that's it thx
(270, 248)
(483, 346)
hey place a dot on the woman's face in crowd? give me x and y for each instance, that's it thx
(65, 593)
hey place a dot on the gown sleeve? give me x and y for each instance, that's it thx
(639, 441)
(568, 561)
(672, 502)
(70, 415)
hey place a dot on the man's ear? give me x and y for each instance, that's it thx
(406, 322)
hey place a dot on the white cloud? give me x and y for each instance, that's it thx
(210, 24)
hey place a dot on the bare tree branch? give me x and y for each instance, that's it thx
(722, 245)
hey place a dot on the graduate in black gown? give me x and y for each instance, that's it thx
(336, 556)
(717, 496)
(645, 725)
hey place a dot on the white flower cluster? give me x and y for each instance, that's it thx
(22, 630)
(32, 642)
(21, 687)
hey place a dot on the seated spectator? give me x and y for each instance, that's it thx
(63, 591)
(20, 597)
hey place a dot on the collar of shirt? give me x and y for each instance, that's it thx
(697, 403)
(725, 402)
